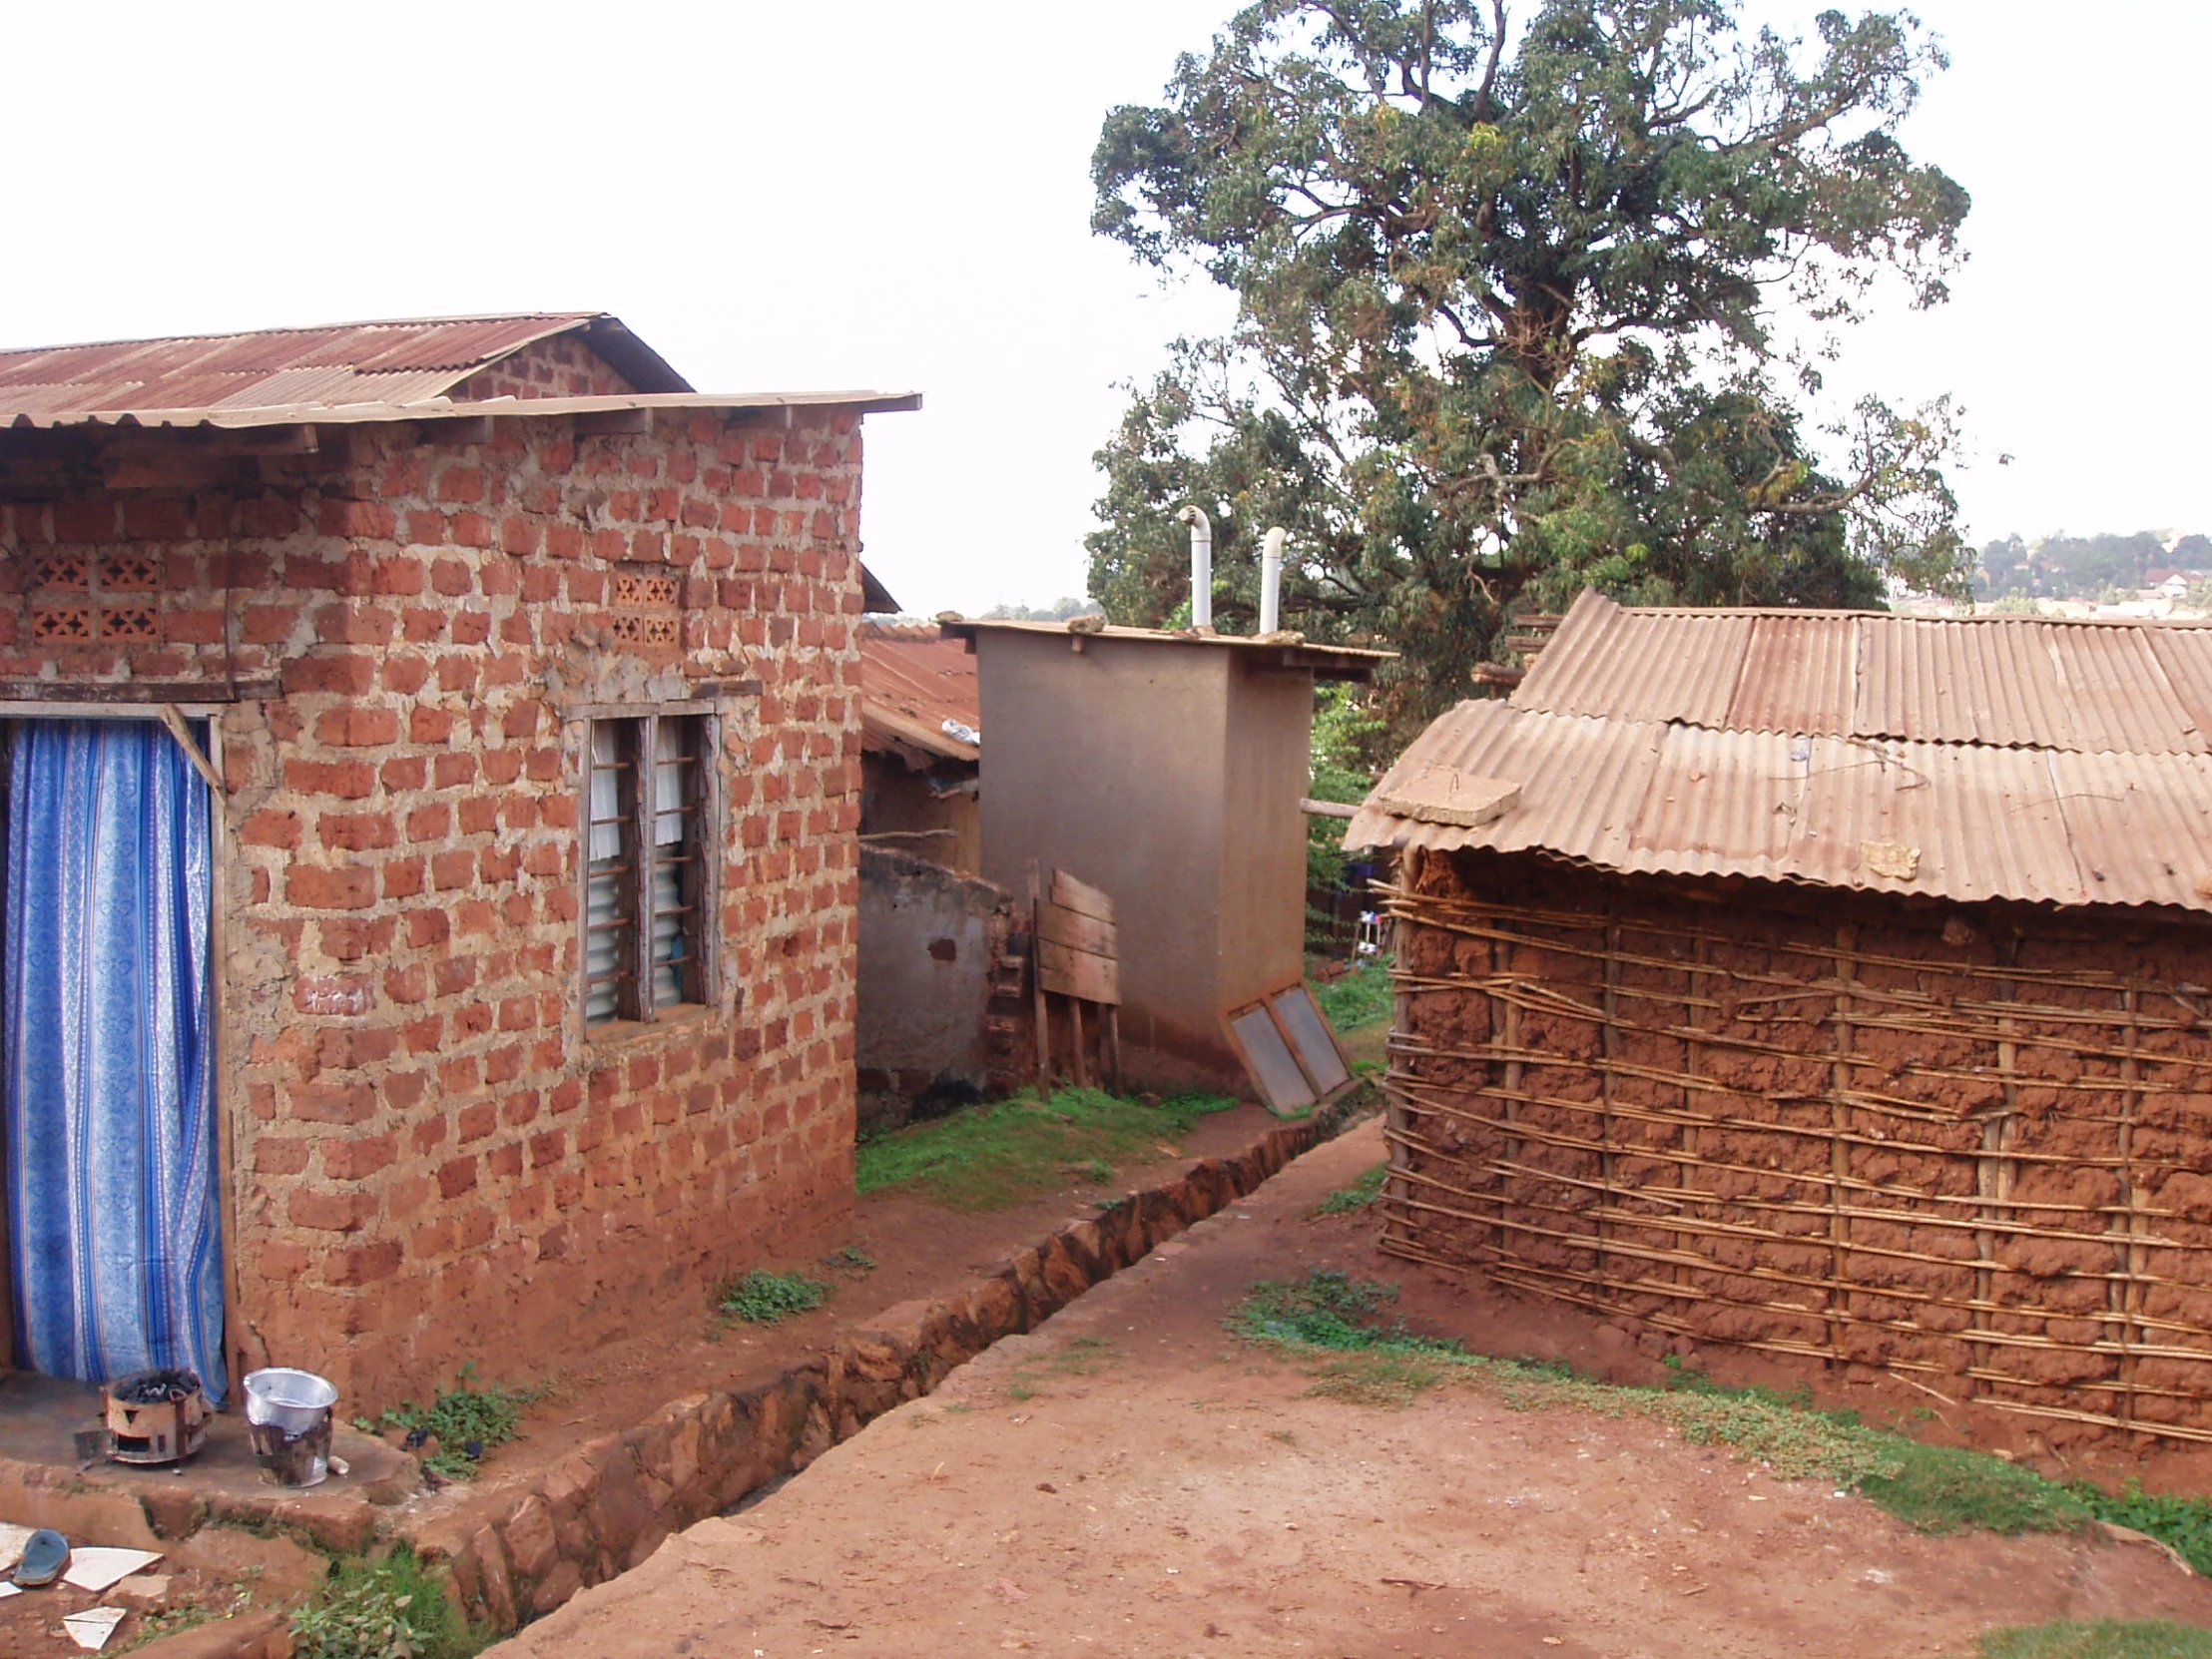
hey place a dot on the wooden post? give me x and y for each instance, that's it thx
(1036, 979)
(1113, 1048)
(1075, 1029)
(1839, 1085)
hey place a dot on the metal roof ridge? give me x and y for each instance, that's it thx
(305, 328)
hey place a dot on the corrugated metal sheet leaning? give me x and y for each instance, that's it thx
(1993, 759)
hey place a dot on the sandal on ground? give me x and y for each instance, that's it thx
(45, 1559)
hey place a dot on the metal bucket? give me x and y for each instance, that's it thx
(287, 1416)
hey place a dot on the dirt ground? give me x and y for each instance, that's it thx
(218, 1572)
(1128, 1480)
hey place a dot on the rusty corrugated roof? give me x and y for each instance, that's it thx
(182, 379)
(914, 680)
(2125, 687)
(2001, 758)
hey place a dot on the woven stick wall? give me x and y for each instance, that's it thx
(1860, 1135)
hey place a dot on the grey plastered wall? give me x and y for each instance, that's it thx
(926, 938)
(1167, 771)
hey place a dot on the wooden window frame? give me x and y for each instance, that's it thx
(636, 1001)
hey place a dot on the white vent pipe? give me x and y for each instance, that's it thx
(1270, 579)
(1201, 566)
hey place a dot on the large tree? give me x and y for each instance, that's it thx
(1507, 317)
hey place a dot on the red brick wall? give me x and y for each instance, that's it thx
(428, 1161)
(563, 366)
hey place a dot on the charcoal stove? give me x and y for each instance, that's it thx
(155, 1416)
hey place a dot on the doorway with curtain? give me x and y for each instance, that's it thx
(106, 1076)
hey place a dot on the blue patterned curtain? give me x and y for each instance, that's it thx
(111, 1138)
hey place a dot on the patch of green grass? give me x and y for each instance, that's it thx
(465, 1420)
(1941, 1488)
(1331, 1324)
(388, 1609)
(762, 1297)
(851, 1259)
(1358, 1196)
(1359, 996)
(2106, 1639)
(992, 1157)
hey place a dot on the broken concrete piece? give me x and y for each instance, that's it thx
(94, 1568)
(12, 1540)
(1441, 795)
(1891, 858)
(92, 1628)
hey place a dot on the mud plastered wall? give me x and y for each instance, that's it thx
(426, 1159)
(1964, 1145)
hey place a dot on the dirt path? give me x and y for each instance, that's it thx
(1127, 1480)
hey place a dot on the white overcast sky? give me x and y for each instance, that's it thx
(893, 195)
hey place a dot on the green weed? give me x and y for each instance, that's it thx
(2183, 1523)
(762, 1297)
(2106, 1639)
(1358, 1196)
(992, 1157)
(465, 1420)
(1359, 997)
(388, 1609)
(851, 1259)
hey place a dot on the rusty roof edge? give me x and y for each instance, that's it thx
(1359, 657)
(443, 409)
(905, 729)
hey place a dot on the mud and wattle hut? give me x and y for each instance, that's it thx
(1833, 985)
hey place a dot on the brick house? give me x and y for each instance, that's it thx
(516, 1000)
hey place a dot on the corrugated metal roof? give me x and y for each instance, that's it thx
(2021, 760)
(180, 380)
(2126, 687)
(914, 680)
(1977, 822)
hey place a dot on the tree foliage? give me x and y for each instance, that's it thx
(1505, 317)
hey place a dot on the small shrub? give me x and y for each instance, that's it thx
(762, 1297)
(1358, 1196)
(466, 1421)
(393, 1609)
